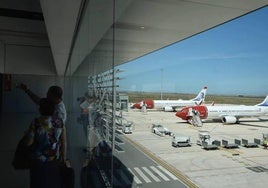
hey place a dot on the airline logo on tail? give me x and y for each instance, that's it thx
(201, 96)
(264, 102)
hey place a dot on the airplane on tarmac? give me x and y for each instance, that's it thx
(171, 105)
(227, 114)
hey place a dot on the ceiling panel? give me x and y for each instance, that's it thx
(148, 25)
(142, 26)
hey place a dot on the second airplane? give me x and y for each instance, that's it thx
(171, 105)
(227, 114)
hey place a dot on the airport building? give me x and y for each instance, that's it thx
(78, 45)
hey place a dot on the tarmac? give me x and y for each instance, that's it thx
(239, 168)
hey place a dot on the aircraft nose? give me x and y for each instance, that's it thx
(137, 105)
(180, 115)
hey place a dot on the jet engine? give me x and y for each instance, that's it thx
(229, 119)
(168, 109)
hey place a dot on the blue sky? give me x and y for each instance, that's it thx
(230, 59)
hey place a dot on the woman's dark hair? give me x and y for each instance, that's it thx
(46, 107)
(56, 91)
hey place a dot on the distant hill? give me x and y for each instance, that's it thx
(218, 99)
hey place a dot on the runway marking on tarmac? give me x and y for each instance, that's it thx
(168, 173)
(136, 179)
(159, 173)
(151, 174)
(184, 179)
(146, 179)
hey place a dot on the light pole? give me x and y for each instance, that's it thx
(161, 83)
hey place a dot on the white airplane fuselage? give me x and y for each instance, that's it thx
(226, 113)
(171, 105)
(160, 104)
(215, 112)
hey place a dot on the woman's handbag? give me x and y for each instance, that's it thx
(22, 156)
(67, 175)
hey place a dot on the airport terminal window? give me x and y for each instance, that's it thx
(110, 158)
(110, 101)
(116, 88)
(126, 73)
(96, 97)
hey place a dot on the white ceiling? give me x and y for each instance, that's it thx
(164, 22)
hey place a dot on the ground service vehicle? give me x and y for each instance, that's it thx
(160, 130)
(265, 141)
(127, 128)
(206, 141)
(181, 140)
